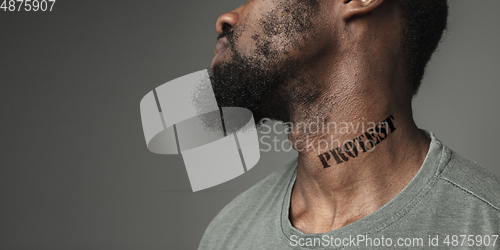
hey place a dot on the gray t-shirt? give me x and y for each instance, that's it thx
(450, 203)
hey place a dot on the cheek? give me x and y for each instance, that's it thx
(246, 42)
(276, 30)
(276, 44)
(287, 30)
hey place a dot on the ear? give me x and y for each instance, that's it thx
(359, 7)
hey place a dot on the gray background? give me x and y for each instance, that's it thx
(75, 171)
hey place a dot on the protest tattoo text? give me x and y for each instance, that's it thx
(361, 144)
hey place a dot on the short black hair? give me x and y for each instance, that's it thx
(424, 22)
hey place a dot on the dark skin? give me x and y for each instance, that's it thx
(351, 56)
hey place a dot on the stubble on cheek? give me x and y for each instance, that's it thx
(277, 35)
(286, 28)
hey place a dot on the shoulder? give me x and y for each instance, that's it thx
(473, 180)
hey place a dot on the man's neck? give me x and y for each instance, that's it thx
(350, 168)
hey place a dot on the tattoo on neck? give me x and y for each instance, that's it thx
(361, 144)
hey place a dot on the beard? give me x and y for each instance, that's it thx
(242, 82)
(272, 89)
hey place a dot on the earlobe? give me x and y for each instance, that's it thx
(359, 7)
